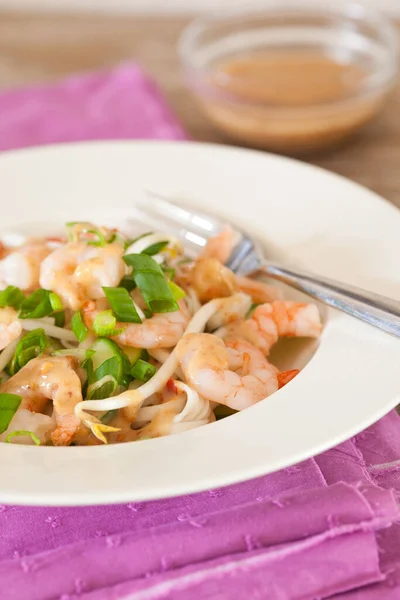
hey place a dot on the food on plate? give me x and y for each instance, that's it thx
(107, 339)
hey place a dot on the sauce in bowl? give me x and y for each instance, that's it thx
(289, 101)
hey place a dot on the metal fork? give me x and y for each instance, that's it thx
(195, 227)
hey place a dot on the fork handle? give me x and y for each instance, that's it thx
(377, 310)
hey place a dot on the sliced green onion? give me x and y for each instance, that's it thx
(108, 416)
(143, 370)
(11, 296)
(20, 433)
(104, 388)
(29, 347)
(104, 349)
(155, 248)
(252, 309)
(36, 306)
(59, 319)
(125, 381)
(78, 326)
(82, 233)
(122, 305)
(150, 279)
(100, 241)
(177, 292)
(127, 283)
(105, 324)
(117, 238)
(81, 354)
(133, 354)
(9, 404)
(169, 272)
(55, 302)
(139, 237)
(108, 367)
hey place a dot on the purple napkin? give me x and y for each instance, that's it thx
(326, 528)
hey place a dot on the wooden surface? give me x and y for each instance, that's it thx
(45, 48)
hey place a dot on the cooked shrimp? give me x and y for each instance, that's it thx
(210, 279)
(78, 271)
(50, 378)
(21, 267)
(270, 321)
(260, 291)
(25, 420)
(230, 309)
(235, 374)
(220, 246)
(162, 330)
(10, 326)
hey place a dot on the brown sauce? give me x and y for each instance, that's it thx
(289, 101)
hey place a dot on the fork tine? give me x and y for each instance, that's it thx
(192, 220)
(155, 220)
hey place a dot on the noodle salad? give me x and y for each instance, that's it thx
(105, 339)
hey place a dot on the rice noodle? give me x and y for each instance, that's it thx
(8, 353)
(51, 330)
(131, 399)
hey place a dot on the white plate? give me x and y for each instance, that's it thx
(323, 221)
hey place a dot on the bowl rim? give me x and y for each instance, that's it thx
(377, 83)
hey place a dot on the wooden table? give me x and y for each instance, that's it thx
(36, 48)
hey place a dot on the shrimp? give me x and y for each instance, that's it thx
(77, 271)
(50, 378)
(220, 246)
(230, 310)
(260, 291)
(25, 420)
(235, 374)
(10, 326)
(162, 330)
(21, 267)
(270, 321)
(210, 279)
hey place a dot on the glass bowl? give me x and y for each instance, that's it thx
(293, 77)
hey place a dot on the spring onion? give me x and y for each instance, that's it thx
(169, 272)
(127, 283)
(59, 319)
(36, 306)
(177, 292)
(30, 346)
(9, 404)
(105, 323)
(22, 432)
(11, 296)
(99, 238)
(85, 232)
(150, 279)
(252, 309)
(143, 370)
(81, 354)
(122, 305)
(104, 388)
(108, 416)
(155, 248)
(55, 302)
(78, 326)
(107, 360)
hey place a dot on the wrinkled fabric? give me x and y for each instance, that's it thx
(325, 528)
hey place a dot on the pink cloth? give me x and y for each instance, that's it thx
(121, 104)
(325, 528)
